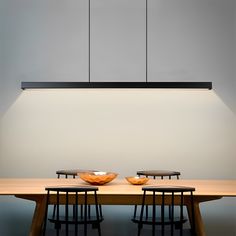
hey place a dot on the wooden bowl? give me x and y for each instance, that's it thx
(136, 180)
(97, 177)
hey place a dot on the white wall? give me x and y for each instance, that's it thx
(118, 130)
(187, 39)
(189, 131)
(234, 52)
(41, 41)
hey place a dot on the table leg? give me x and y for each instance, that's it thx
(38, 218)
(199, 226)
(39, 213)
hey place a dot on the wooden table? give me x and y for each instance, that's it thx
(118, 192)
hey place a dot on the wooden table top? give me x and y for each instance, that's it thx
(30, 186)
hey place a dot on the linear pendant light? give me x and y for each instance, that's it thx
(122, 85)
(110, 85)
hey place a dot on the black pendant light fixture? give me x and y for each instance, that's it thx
(113, 85)
(120, 85)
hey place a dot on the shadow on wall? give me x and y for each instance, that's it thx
(227, 95)
(9, 92)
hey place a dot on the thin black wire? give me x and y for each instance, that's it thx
(89, 40)
(146, 40)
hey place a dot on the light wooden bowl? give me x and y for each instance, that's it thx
(97, 177)
(136, 180)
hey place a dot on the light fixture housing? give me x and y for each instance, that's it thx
(121, 85)
(110, 85)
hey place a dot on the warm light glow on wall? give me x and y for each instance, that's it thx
(115, 130)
